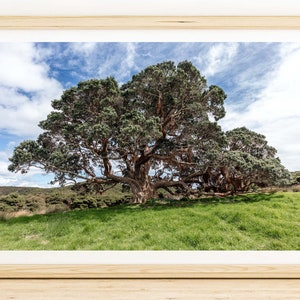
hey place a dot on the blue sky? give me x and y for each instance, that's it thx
(261, 80)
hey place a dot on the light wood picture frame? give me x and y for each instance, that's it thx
(150, 22)
(150, 280)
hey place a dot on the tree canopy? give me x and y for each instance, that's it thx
(157, 131)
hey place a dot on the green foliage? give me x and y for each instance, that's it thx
(25, 156)
(295, 177)
(15, 202)
(248, 141)
(12, 202)
(135, 129)
(85, 202)
(40, 201)
(247, 161)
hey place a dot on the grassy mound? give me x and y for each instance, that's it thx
(250, 222)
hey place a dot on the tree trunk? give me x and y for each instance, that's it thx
(142, 192)
(142, 188)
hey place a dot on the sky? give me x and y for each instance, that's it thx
(261, 80)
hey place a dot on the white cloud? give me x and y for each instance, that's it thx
(81, 57)
(275, 112)
(83, 48)
(26, 90)
(21, 68)
(130, 55)
(120, 64)
(217, 58)
(128, 62)
(10, 98)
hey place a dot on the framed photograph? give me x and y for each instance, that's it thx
(246, 239)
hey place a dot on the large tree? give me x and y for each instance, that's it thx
(157, 131)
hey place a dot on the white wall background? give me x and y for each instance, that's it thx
(149, 7)
(151, 257)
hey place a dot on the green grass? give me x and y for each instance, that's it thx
(252, 222)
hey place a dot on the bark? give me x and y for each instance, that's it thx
(142, 189)
(142, 192)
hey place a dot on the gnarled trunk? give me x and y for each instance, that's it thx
(142, 192)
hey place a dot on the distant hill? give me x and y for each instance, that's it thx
(43, 200)
(5, 190)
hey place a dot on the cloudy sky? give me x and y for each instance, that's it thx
(261, 80)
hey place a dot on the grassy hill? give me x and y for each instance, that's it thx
(5, 190)
(248, 222)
